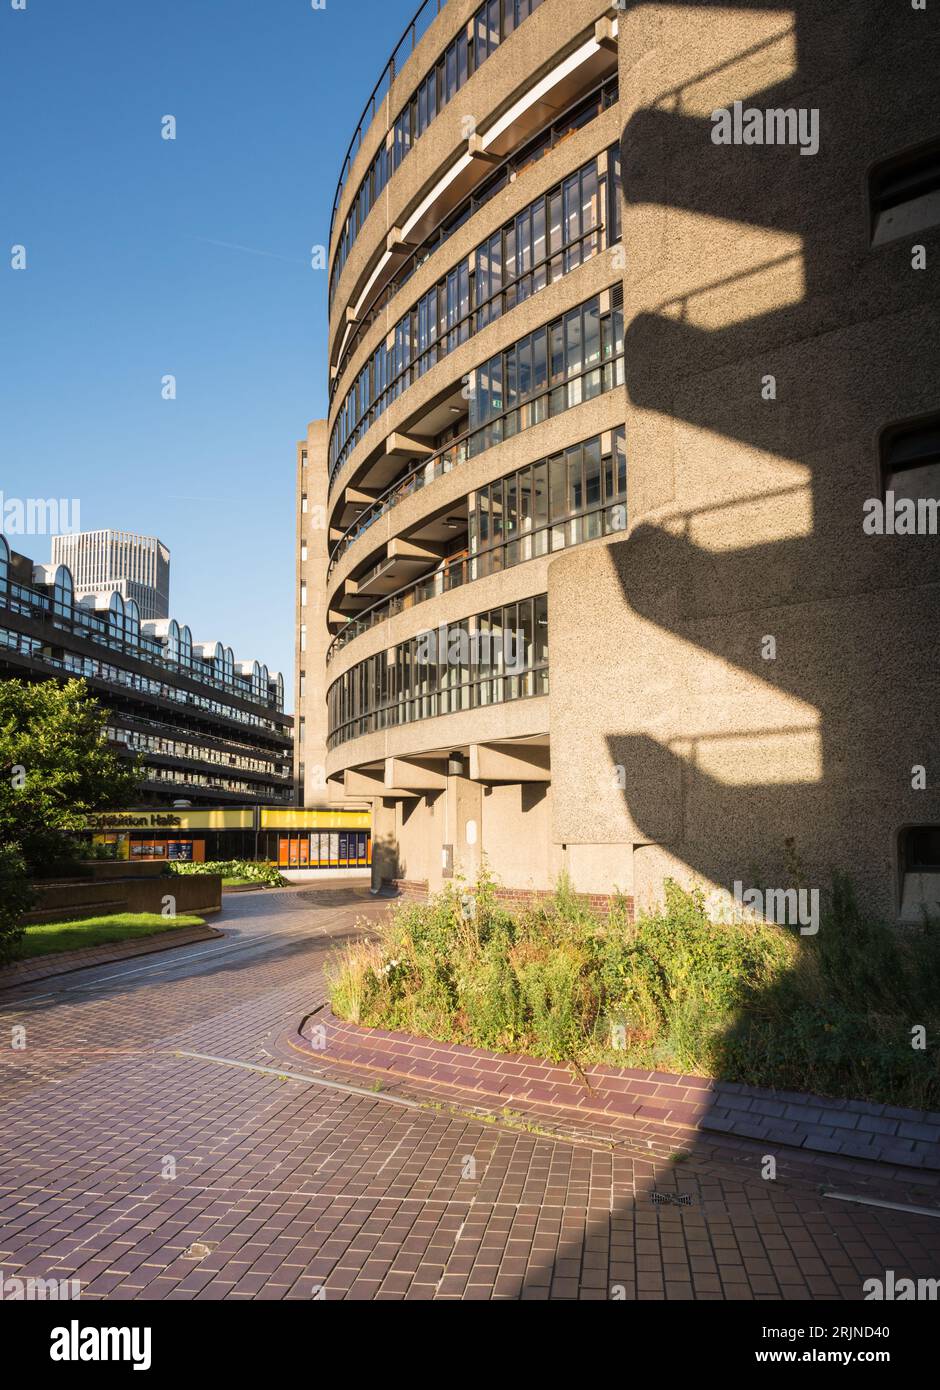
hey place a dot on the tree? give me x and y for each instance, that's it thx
(55, 767)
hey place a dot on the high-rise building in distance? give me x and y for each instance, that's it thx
(106, 562)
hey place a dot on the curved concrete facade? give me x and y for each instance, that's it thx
(720, 676)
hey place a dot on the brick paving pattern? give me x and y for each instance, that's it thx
(651, 1100)
(120, 1155)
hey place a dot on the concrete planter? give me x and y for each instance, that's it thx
(118, 887)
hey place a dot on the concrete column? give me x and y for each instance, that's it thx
(384, 842)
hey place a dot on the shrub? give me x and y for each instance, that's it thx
(265, 874)
(745, 1001)
(16, 897)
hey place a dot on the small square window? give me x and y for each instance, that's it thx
(919, 872)
(910, 459)
(904, 193)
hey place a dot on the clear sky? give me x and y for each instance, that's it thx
(134, 272)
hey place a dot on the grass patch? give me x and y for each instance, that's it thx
(51, 937)
(834, 1013)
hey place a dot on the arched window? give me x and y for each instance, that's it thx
(265, 682)
(63, 592)
(186, 647)
(116, 615)
(280, 691)
(172, 649)
(228, 666)
(4, 564)
(132, 623)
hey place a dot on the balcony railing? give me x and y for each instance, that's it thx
(91, 626)
(580, 113)
(561, 534)
(459, 450)
(421, 21)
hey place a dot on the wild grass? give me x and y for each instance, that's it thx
(753, 1002)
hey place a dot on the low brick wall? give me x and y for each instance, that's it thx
(601, 903)
(848, 1128)
(417, 889)
(64, 962)
(62, 900)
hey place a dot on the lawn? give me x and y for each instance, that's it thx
(96, 931)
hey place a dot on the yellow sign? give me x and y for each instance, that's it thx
(163, 822)
(314, 820)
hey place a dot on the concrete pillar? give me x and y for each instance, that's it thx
(384, 842)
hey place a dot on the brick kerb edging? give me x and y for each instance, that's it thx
(850, 1128)
(64, 962)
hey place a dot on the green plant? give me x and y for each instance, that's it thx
(16, 897)
(56, 766)
(245, 870)
(745, 1001)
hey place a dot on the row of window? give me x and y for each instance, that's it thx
(186, 778)
(89, 668)
(562, 126)
(321, 849)
(544, 497)
(577, 495)
(558, 231)
(493, 22)
(195, 752)
(495, 656)
(119, 628)
(162, 729)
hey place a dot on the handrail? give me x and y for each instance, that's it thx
(397, 491)
(368, 111)
(452, 330)
(517, 160)
(447, 582)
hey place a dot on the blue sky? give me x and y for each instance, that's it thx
(126, 281)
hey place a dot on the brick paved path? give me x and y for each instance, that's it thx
(294, 1188)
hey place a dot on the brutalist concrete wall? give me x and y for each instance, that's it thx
(761, 670)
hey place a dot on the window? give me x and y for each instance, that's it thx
(910, 461)
(904, 193)
(303, 501)
(302, 683)
(303, 637)
(303, 593)
(505, 269)
(919, 872)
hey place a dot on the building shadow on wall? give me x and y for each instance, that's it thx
(699, 360)
(798, 304)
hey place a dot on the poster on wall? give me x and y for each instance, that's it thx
(180, 850)
(334, 848)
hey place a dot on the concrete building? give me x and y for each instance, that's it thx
(210, 730)
(105, 562)
(630, 333)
